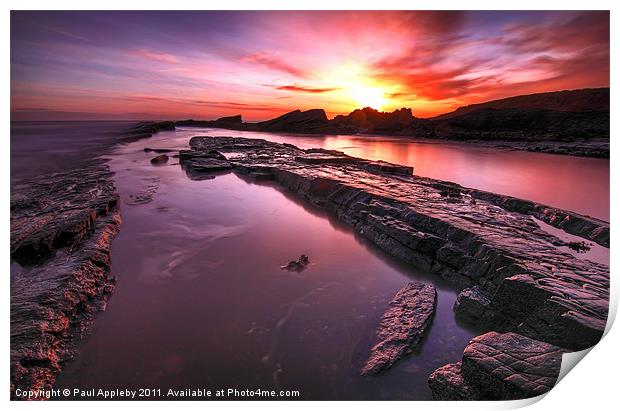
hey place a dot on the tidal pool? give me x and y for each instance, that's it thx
(201, 300)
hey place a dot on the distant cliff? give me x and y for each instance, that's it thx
(565, 122)
(562, 115)
(576, 101)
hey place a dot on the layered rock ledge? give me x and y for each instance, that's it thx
(402, 326)
(62, 226)
(526, 280)
(499, 367)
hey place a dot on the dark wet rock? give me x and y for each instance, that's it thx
(299, 265)
(207, 164)
(579, 246)
(473, 306)
(58, 211)
(159, 160)
(185, 155)
(448, 384)
(402, 326)
(499, 367)
(61, 230)
(469, 237)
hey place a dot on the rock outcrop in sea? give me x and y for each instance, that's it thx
(516, 278)
(573, 122)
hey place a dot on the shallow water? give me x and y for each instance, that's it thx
(201, 300)
(573, 183)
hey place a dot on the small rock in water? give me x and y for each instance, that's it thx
(579, 246)
(299, 265)
(160, 159)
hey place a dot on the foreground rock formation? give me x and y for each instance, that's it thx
(402, 326)
(62, 226)
(499, 367)
(524, 279)
(573, 122)
(61, 230)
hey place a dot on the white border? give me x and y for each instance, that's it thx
(593, 385)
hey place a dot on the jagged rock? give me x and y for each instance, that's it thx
(499, 367)
(471, 237)
(369, 120)
(159, 160)
(299, 265)
(402, 326)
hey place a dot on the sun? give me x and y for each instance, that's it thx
(367, 96)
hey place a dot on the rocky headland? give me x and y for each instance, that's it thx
(572, 122)
(518, 282)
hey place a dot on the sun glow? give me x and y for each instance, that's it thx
(366, 96)
(355, 88)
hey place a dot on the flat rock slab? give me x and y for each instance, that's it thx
(402, 326)
(528, 280)
(499, 367)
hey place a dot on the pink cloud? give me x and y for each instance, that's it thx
(155, 56)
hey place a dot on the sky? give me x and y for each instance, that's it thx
(208, 64)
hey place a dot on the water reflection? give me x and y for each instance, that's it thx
(573, 183)
(201, 300)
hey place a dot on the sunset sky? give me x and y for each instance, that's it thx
(203, 65)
